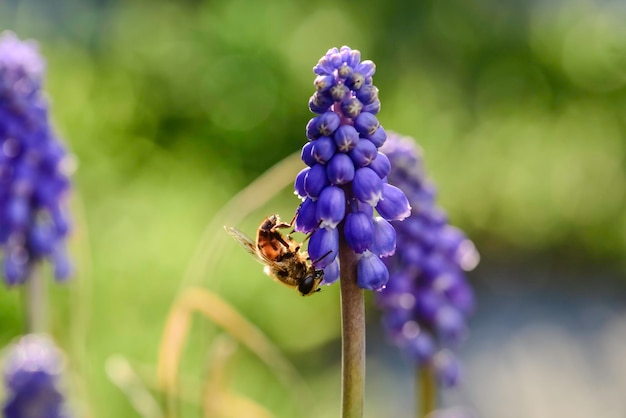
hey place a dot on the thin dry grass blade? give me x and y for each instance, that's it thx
(249, 199)
(217, 400)
(123, 375)
(226, 317)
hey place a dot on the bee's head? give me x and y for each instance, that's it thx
(311, 283)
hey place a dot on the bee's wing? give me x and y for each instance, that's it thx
(245, 242)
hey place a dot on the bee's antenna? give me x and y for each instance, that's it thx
(321, 258)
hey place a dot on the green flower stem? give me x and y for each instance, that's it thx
(426, 388)
(353, 335)
(35, 302)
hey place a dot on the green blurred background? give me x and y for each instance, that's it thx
(172, 107)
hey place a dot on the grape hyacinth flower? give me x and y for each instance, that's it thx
(31, 376)
(427, 299)
(34, 167)
(345, 178)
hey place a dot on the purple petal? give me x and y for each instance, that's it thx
(379, 137)
(384, 243)
(323, 82)
(367, 68)
(346, 138)
(372, 108)
(364, 153)
(323, 149)
(315, 180)
(328, 123)
(331, 207)
(421, 347)
(355, 80)
(312, 132)
(351, 107)
(447, 368)
(367, 186)
(298, 185)
(366, 124)
(305, 219)
(367, 94)
(394, 205)
(358, 231)
(320, 102)
(14, 269)
(450, 324)
(340, 169)
(306, 154)
(331, 272)
(323, 247)
(372, 273)
(62, 265)
(381, 165)
(339, 92)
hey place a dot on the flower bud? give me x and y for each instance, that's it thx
(331, 207)
(394, 205)
(340, 169)
(372, 274)
(359, 231)
(367, 186)
(323, 247)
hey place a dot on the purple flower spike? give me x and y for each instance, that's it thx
(32, 372)
(331, 207)
(427, 269)
(394, 206)
(359, 231)
(34, 222)
(347, 172)
(372, 274)
(323, 246)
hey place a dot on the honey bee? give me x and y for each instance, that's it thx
(281, 255)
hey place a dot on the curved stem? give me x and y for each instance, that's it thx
(352, 335)
(426, 389)
(35, 302)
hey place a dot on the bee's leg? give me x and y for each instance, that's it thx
(279, 237)
(289, 224)
(311, 233)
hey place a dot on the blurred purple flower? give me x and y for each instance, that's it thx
(427, 299)
(345, 179)
(31, 373)
(34, 167)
